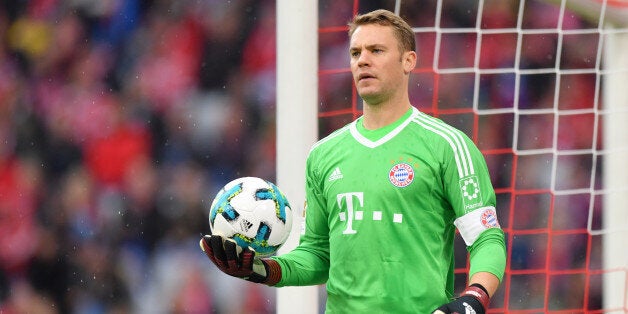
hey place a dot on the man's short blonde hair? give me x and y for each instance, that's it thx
(403, 32)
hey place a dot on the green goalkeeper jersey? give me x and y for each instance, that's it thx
(382, 209)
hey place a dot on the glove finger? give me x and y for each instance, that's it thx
(246, 258)
(206, 246)
(216, 245)
(231, 254)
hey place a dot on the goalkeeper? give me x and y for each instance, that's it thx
(385, 195)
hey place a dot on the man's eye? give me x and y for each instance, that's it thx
(354, 53)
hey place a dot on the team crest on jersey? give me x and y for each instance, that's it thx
(401, 175)
(489, 219)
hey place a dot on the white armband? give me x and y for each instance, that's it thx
(475, 222)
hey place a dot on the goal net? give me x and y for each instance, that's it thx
(541, 87)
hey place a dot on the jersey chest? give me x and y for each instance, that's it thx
(388, 186)
(381, 170)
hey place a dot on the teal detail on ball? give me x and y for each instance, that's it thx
(274, 194)
(259, 244)
(223, 205)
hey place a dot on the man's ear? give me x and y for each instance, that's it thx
(409, 61)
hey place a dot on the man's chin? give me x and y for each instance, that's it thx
(367, 92)
(371, 98)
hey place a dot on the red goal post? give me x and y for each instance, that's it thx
(539, 85)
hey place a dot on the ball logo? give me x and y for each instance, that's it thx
(401, 175)
(489, 219)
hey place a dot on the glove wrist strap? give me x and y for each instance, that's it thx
(479, 292)
(273, 271)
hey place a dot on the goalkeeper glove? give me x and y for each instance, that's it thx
(224, 254)
(473, 300)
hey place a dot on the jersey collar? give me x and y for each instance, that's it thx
(377, 137)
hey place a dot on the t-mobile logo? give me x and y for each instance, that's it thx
(354, 202)
(352, 212)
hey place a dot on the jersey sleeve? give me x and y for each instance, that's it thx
(468, 188)
(472, 197)
(488, 253)
(308, 263)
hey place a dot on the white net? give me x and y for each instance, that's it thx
(541, 87)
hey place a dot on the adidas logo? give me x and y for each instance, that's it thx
(335, 175)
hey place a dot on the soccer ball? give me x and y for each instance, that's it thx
(254, 213)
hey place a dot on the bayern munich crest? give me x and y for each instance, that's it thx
(401, 175)
(489, 219)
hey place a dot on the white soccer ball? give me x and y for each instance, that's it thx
(254, 213)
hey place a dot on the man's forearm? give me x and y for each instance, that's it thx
(489, 281)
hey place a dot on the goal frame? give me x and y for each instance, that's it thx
(297, 125)
(610, 14)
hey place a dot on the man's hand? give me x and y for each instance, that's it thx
(240, 262)
(473, 300)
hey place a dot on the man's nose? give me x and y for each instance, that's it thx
(364, 59)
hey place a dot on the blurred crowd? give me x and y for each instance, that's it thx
(120, 119)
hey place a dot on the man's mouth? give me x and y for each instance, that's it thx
(365, 76)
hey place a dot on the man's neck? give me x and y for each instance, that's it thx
(383, 114)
